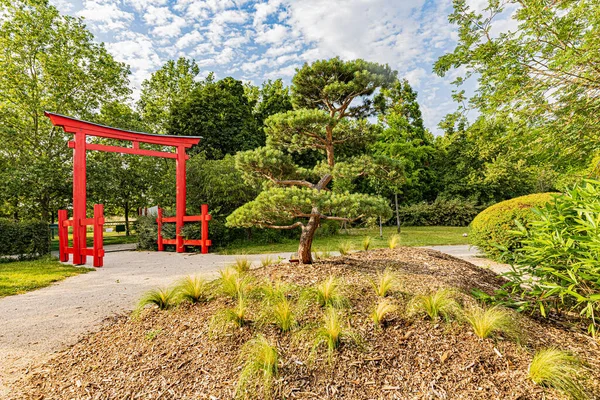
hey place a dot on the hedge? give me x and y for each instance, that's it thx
(23, 239)
(441, 212)
(493, 230)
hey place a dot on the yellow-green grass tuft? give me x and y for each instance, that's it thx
(333, 332)
(393, 241)
(329, 293)
(242, 264)
(163, 298)
(345, 247)
(383, 308)
(260, 368)
(234, 284)
(193, 289)
(490, 321)
(435, 305)
(559, 370)
(366, 243)
(267, 261)
(384, 282)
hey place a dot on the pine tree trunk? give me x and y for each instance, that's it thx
(126, 218)
(306, 239)
(380, 228)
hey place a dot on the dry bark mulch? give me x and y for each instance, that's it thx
(170, 355)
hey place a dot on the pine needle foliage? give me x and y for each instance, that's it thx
(384, 282)
(434, 305)
(490, 321)
(383, 308)
(329, 293)
(393, 241)
(345, 248)
(261, 367)
(366, 243)
(193, 289)
(163, 298)
(559, 370)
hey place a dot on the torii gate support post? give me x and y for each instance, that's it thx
(180, 199)
(79, 199)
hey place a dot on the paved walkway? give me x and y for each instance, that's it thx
(472, 255)
(34, 325)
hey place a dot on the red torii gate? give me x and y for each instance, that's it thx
(81, 129)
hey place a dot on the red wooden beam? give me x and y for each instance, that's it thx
(127, 150)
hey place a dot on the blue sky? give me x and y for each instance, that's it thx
(259, 40)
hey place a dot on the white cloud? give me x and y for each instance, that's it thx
(105, 15)
(189, 39)
(274, 35)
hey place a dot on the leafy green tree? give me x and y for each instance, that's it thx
(542, 79)
(331, 99)
(273, 98)
(220, 113)
(172, 83)
(49, 62)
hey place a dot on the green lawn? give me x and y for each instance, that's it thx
(410, 236)
(22, 276)
(109, 238)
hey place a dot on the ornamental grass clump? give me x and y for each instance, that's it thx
(559, 370)
(490, 321)
(393, 241)
(383, 308)
(193, 289)
(333, 332)
(234, 284)
(366, 243)
(267, 261)
(345, 247)
(277, 307)
(163, 298)
(434, 305)
(329, 293)
(260, 368)
(384, 282)
(229, 317)
(242, 265)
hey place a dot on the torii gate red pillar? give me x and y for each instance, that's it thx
(81, 129)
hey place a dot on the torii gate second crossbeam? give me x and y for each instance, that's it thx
(82, 129)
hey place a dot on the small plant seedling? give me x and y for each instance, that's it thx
(559, 370)
(434, 305)
(152, 334)
(267, 261)
(393, 241)
(193, 289)
(382, 309)
(163, 298)
(261, 366)
(242, 265)
(233, 283)
(384, 283)
(345, 247)
(486, 322)
(366, 243)
(329, 293)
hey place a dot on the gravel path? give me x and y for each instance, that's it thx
(35, 325)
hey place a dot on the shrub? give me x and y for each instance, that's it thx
(441, 212)
(486, 322)
(24, 239)
(434, 305)
(261, 367)
(557, 265)
(147, 232)
(559, 370)
(383, 283)
(492, 230)
(382, 309)
(162, 298)
(193, 289)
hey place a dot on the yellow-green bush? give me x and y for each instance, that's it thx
(492, 227)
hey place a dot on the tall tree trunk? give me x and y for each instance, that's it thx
(397, 213)
(126, 218)
(306, 239)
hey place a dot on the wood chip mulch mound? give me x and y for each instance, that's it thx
(170, 355)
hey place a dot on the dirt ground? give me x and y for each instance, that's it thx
(171, 355)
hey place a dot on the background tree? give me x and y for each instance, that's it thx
(221, 113)
(331, 99)
(49, 62)
(172, 83)
(541, 79)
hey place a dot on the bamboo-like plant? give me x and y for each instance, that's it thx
(383, 308)
(434, 305)
(193, 289)
(393, 241)
(486, 322)
(384, 282)
(163, 298)
(366, 243)
(559, 370)
(261, 366)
